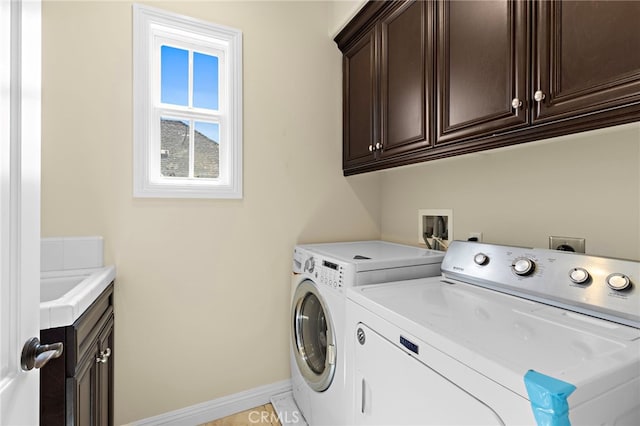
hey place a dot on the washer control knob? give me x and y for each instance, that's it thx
(523, 266)
(579, 275)
(618, 281)
(310, 264)
(481, 259)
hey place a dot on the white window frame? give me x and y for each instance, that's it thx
(152, 28)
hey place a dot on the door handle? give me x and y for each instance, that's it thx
(35, 355)
(365, 402)
(364, 397)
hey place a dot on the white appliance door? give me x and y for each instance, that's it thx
(313, 337)
(20, 47)
(393, 387)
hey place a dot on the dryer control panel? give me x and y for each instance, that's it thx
(330, 273)
(603, 287)
(319, 269)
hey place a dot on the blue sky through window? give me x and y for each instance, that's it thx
(205, 81)
(174, 76)
(210, 130)
(174, 83)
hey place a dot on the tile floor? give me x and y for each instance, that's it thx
(263, 415)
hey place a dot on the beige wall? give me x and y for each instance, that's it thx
(585, 185)
(202, 292)
(341, 12)
(202, 295)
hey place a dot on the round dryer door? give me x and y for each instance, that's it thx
(313, 337)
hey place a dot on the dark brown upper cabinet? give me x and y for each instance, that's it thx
(584, 60)
(587, 57)
(388, 79)
(428, 80)
(360, 129)
(483, 60)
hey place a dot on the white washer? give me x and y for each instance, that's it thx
(321, 274)
(506, 336)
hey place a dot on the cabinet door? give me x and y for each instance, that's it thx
(406, 60)
(92, 386)
(406, 77)
(104, 384)
(587, 56)
(82, 408)
(360, 121)
(482, 68)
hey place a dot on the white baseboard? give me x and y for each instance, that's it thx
(217, 408)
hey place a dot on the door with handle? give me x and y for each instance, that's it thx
(482, 74)
(586, 57)
(104, 364)
(394, 387)
(20, 47)
(313, 337)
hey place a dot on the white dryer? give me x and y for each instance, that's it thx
(506, 336)
(321, 274)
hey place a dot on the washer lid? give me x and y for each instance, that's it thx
(374, 255)
(502, 336)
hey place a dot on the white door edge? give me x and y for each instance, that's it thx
(20, 109)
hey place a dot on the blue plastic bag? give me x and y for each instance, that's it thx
(548, 397)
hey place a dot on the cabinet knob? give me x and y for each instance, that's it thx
(104, 356)
(516, 103)
(538, 96)
(379, 145)
(371, 148)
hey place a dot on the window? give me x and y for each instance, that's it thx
(187, 107)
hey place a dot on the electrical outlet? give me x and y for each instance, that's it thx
(567, 244)
(438, 223)
(476, 235)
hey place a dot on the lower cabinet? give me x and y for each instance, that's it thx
(90, 387)
(77, 388)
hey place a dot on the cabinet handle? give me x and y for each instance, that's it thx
(516, 103)
(104, 356)
(538, 96)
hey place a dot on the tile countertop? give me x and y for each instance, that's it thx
(66, 309)
(77, 264)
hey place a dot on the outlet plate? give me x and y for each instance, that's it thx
(426, 220)
(568, 243)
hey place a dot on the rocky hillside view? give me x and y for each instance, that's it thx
(175, 151)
